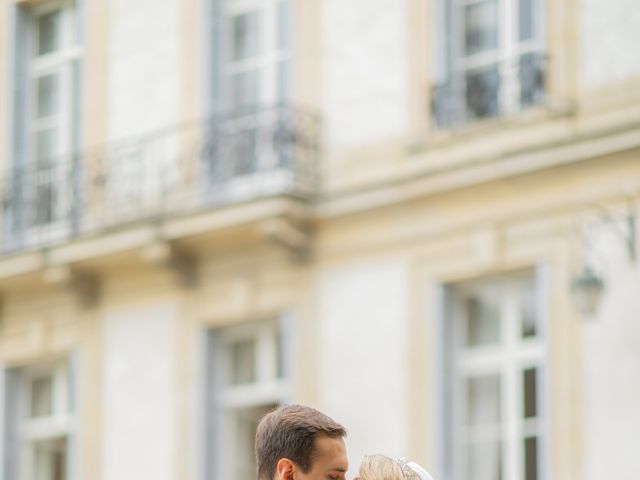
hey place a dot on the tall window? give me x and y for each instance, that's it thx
(253, 53)
(490, 59)
(38, 423)
(46, 64)
(496, 366)
(250, 79)
(247, 379)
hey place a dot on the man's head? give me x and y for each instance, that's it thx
(296, 442)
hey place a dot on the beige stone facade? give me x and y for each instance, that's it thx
(359, 273)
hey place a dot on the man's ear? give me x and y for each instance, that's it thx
(284, 469)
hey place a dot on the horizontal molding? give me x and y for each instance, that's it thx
(479, 171)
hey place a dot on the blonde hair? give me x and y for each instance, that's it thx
(381, 467)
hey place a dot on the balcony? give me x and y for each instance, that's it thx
(178, 171)
(490, 90)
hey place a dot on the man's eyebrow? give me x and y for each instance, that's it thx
(338, 469)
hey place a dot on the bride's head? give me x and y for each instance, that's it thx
(381, 467)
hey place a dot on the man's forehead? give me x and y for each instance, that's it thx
(331, 453)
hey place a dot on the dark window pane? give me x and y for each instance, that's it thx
(283, 25)
(245, 89)
(528, 314)
(48, 32)
(531, 73)
(50, 459)
(283, 80)
(526, 15)
(45, 202)
(243, 363)
(481, 27)
(243, 152)
(279, 346)
(41, 397)
(531, 458)
(483, 322)
(47, 147)
(48, 96)
(483, 399)
(245, 36)
(529, 378)
(481, 92)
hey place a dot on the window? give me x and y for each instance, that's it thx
(490, 61)
(38, 423)
(247, 375)
(250, 80)
(47, 69)
(496, 370)
(253, 53)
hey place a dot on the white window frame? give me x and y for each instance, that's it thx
(508, 359)
(61, 62)
(245, 133)
(452, 63)
(224, 399)
(270, 54)
(26, 431)
(507, 52)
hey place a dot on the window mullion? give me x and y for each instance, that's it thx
(513, 389)
(266, 354)
(508, 48)
(60, 389)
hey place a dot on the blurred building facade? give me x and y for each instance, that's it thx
(378, 208)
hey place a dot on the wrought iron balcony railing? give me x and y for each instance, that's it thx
(176, 171)
(489, 91)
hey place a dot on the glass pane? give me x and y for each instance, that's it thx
(244, 463)
(244, 43)
(245, 89)
(529, 380)
(243, 362)
(526, 14)
(283, 80)
(50, 459)
(47, 147)
(279, 354)
(283, 25)
(41, 397)
(45, 201)
(483, 322)
(532, 78)
(484, 461)
(243, 151)
(481, 94)
(528, 314)
(48, 28)
(48, 100)
(481, 27)
(531, 458)
(483, 399)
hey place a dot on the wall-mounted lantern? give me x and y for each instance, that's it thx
(588, 286)
(586, 289)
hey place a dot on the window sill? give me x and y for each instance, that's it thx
(437, 138)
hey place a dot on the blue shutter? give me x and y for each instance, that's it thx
(9, 418)
(20, 42)
(18, 142)
(72, 439)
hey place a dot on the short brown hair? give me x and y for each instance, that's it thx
(290, 432)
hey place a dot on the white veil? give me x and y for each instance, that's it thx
(405, 464)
